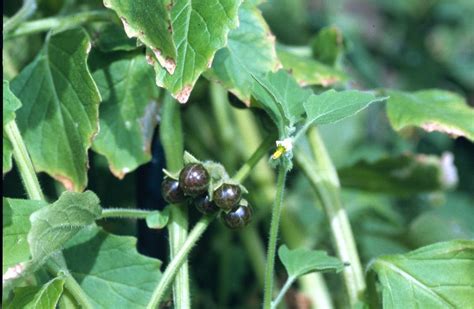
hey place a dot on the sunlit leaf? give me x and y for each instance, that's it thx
(301, 261)
(53, 225)
(106, 264)
(200, 28)
(250, 49)
(59, 116)
(150, 21)
(435, 276)
(10, 105)
(16, 225)
(431, 110)
(38, 297)
(128, 113)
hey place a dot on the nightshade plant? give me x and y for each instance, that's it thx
(98, 96)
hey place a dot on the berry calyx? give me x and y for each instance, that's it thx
(238, 217)
(204, 204)
(194, 179)
(171, 191)
(227, 196)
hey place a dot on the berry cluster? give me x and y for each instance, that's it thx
(193, 185)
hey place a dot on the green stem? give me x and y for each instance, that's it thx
(70, 21)
(323, 177)
(126, 213)
(177, 261)
(272, 243)
(33, 189)
(28, 8)
(23, 161)
(171, 136)
(57, 267)
(262, 150)
(283, 291)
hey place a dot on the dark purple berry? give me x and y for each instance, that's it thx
(227, 196)
(204, 204)
(171, 191)
(194, 179)
(238, 217)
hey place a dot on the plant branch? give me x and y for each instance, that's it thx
(323, 177)
(23, 161)
(178, 260)
(33, 189)
(171, 136)
(261, 151)
(126, 213)
(272, 242)
(283, 291)
(28, 8)
(70, 21)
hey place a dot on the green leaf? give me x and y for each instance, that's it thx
(10, 105)
(432, 110)
(250, 49)
(158, 219)
(327, 46)
(53, 225)
(403, 175)
(435, 276)
(308, 71)
(200, 29)
(128, 113)
(332, 106)
(105, 264)
(16, 225)
(44, 297)
(150, 22)
(301, 261)
(59, 116)
(281, 97)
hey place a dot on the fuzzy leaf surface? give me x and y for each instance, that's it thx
(150, 22)
(281, 97)
(431, 110)
(250, 49)
(435, 276)
(106, 264)
(52, 226)
(200, 28)
(301, 261)
(59, 116)
(16, 225)
(33, 297)
(128, 113)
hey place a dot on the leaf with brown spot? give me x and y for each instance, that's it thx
(128, 113)
(150, 22)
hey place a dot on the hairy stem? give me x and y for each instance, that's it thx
(171, 136)
(28, 8)
(70, 21)
(33, 189)
(323, 177)
(23, 161)
(177, 261)
(126, 213)
(273, 236)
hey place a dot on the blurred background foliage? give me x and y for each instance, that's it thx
(405, 44)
